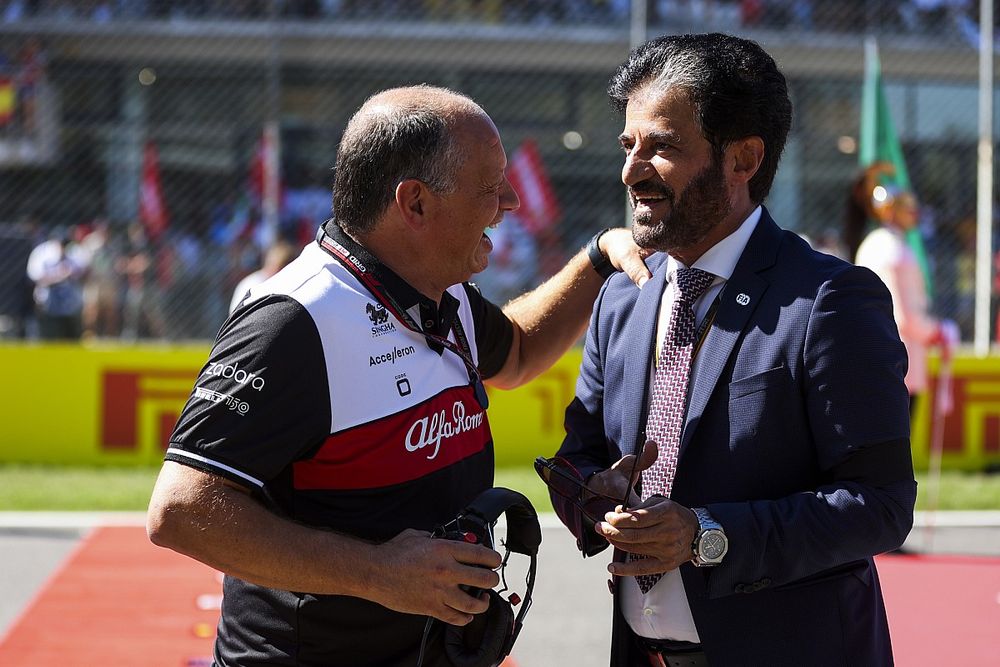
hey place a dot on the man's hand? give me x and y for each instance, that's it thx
(618, 246)
(623, 474)
(659, 529)
(415, 574)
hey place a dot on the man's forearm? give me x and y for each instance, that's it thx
(227, 529)
(204, 517)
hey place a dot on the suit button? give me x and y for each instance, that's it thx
(765, 582)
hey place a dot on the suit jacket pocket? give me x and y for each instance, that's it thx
(757, 382)
(859, 569)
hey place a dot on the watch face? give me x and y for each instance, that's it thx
(713, 545)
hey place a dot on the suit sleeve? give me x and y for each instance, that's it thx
(585, 445)
(858, 415)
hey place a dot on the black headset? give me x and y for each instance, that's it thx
(489, 638)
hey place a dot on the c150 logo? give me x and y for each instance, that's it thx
(435, 428)
(379, 317)
(242, 407)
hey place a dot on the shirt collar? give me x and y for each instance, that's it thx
(721, 259)
(426, 312)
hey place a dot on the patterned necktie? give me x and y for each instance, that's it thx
(668, 403)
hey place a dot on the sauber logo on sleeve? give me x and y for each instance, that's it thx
(400, 447)
(440, 426)
(234, 372)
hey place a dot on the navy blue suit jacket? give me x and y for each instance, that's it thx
(796, 440)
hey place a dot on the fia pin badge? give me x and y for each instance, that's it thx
(743, 298)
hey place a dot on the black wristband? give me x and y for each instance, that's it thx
(598, 259)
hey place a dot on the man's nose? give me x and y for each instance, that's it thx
(509, 201)
(635, 169)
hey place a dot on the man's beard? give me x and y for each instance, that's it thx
(702, 205)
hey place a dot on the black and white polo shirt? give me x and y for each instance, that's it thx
(324, 404)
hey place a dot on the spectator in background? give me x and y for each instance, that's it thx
(885, 251)
(102, 288)
(141, 309)
(275, 258)
(57, 269)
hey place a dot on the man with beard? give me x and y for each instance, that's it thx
(751, 390)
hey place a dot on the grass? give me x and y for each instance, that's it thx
(53, 488)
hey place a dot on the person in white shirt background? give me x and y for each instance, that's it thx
(885, 251)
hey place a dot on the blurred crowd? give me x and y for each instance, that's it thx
(103, 280)
(923, 16)
(100, 280)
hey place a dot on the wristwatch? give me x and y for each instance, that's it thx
(598, 259)
(710, 542)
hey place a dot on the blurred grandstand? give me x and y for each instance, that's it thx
(152, 116)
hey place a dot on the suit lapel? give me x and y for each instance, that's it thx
(737, 303)
(640, 332)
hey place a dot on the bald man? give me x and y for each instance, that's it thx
(342, 414)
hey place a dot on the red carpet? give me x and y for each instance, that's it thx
(943, 610)
(118, 600)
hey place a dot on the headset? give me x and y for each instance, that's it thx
(489, 638)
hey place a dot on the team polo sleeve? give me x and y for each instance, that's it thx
(262, 401)
(494, 332)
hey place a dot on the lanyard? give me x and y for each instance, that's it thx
(372, 284)
(706, 324)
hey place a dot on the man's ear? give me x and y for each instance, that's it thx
(412, 199)
(747, 154)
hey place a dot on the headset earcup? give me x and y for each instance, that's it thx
(481, 642)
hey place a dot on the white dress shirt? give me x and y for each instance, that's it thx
(663, 612)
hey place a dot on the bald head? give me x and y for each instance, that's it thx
(397, 134)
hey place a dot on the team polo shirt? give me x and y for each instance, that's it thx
(334, 413)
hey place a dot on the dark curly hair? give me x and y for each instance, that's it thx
(733, 84)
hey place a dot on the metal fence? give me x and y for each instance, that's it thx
(137, 130)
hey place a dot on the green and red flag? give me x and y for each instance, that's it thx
(880, 143)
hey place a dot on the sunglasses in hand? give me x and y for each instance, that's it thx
(563, 478)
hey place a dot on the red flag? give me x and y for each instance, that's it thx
(539, 206)
(258, 168)
(152, 211)
(264, 162)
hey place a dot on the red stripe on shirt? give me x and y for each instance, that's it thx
(401, 447)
